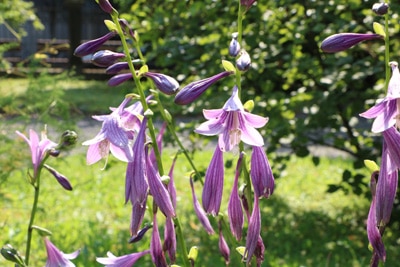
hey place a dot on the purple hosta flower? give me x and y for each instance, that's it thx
(140, 234)
(136, 187)
(243, 62)
(223, 246)
(234, 46)
(343, 41)
(122, 261)
(259, 252)
(261, 173)
(159, 145)
(57, 258)
(127, 29)
(107, 7)
(138, 212)
(112, 137)
(214, 183)
(392, 141)
(380, 8)
(119, 78)
(235, 211)
(39, 149)
(247, 3)
(170, 239)
(171, 185)
(193, 90)
(119, 66)
(253, 231)
(92, 46)
(158, 190)
(156, 251)
(387, 112)
(61, 179)
(105, 58)
(201, 214)
(164, 83)
(232, 123)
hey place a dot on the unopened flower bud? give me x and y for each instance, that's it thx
(92, 46)
(380, 8)
(67, 140)
(107, 7)
(119, 66)
(105, 58)
(119, 78)
(343, 41)
(244, 61)
(234, 46)
(126, 28)
(11, 254)
(193, 253)
(61, 179)
(139, 235)
(164, 83)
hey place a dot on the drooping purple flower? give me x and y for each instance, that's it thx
(164, 83)
(112, 137)
(105, 58)
(253, 231)
(92, 46)
(106, 6)
(170, 239)
(259, 252)
(201, 214)
(119, 78)
(57, 258)
(126, 28)
(193, 90)
(140, 234)
(261, 173)
(38, 148)
(233, 124)
(214, 183)
(387, 112)
(136, 186)
(223, 246)
(234, 46)
(122, 261)
(235, 211)
(137, 215)
(392, 141)
(243, 62)
(61, 179)
(157, 254)
(343, 41)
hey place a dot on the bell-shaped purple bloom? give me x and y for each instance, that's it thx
(164, 83)
(112, 137)
(57, 258)
(387, 112)
(122, 261)
(136, 187)
(158, 190)
(343, 41)
(38, 148)
(223, 246)
(119, 78)
(61, 179)
(235, 211)
(233, 124)
(193, 90)
(253, 231)
(201, 214)
(105, 58)
(214, 183)
(243, 62)
(234, 46)
(92, 46)
(261, 173)
(170, 239)
(157, 254)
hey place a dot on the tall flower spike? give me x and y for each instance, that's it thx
(232, 123)
(235, 211)
(164, 83)
(343, 41)
(38, 148)
(57, 258)
(193, 90)
(387, 112)
(201, 214)
(121, 261)
(261, 173)
(92, 46)
(214, 183)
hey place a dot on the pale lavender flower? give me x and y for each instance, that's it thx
(234, 46)
(243, 62)
(387, 112)
(164, 83)
(235, 211)
(112, 137)
(233, 124)
(157, 254)
(193, 90)
(92, 46)
(119, 78)
(105, 58)
(261, 173)
(253, 231)
(122, 261)
(223, 246)
(214, 183)
(39, 149)
(343, 41)
(201, 214)
(61, 179)
(57, 258)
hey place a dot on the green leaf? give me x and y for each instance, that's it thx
(193, 253)
(371, 165)
(379, 29)
(228, 66)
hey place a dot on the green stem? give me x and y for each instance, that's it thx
(181, 241)
(387, 53)
(239, 38)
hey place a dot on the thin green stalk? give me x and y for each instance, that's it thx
(239, 38)
(181, 242)
(387, 53)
